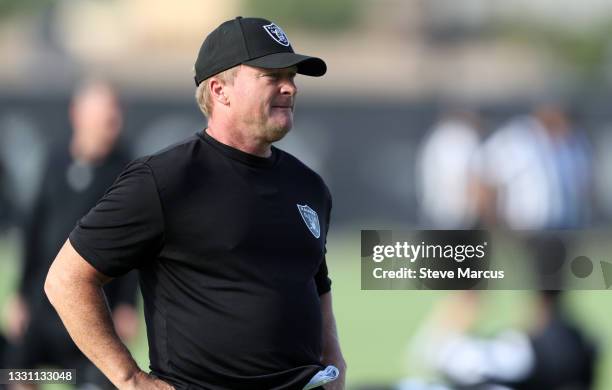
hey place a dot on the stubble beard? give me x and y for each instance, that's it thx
(273, 132)
(276, 133)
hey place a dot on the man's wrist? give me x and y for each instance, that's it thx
(132, 379)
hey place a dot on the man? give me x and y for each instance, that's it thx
(227, 232)
(548, 182)
(75, 176)
(445, 165)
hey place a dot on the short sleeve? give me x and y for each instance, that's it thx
(125, 229)
(321, 278)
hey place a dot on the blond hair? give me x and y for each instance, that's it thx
(202, 94)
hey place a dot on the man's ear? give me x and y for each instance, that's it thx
(217, 91)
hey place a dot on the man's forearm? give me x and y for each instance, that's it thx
(82, 307)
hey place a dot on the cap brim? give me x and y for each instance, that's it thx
(309, 66)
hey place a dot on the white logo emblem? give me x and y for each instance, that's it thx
(311, 219)
(277, 34)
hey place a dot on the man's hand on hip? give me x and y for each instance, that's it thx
(143, 381)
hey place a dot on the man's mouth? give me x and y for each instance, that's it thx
(288, 104)
(288, 108)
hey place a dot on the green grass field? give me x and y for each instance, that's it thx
(375, 326)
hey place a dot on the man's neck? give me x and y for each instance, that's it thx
(81, 154)
(238, 141)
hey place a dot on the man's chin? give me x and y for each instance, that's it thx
(277, 134)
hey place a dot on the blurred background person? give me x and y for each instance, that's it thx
(534, 173)
(537, 176)
(3, 218)
(447, 190)
(4, 200)
(552, 353)
(446, 175)
(75, 177)
(537, 172)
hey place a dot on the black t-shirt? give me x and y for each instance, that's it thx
(230, 249)
(69, 189)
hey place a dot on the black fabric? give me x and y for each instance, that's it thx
(67, 192)
(564, 358)
(3, 347)
(309, 66)
(46, 343)
(253, 41)
(57, 208)
(230, 273)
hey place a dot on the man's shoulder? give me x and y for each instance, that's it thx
(298, 168)
(170, 163)
(172, 157)
(176, 151)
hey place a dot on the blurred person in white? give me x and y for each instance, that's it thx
(537, 172)
(76, 174)
(446, 174)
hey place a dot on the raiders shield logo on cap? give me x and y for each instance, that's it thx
(311, 219)
(277, 34)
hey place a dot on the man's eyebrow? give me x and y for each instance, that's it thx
(278, 72)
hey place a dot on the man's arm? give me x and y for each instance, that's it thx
(332, 354)
(74, 288)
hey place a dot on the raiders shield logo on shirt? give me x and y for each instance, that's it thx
(311, 219)
(277, 34)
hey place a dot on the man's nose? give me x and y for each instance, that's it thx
(288, 87)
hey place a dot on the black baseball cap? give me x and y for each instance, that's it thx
(251, 41)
